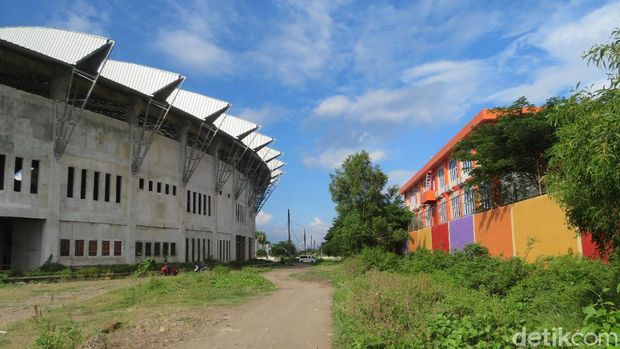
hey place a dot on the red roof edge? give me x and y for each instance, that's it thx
(484, 115)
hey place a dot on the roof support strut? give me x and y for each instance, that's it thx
(144, 130)
(262, 199)
(84, 76)
(197, 145)
(243, 176)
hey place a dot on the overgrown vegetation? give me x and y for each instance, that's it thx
(465, 299)
(368, 213)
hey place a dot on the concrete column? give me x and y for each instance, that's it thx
(50, 243)
(131, 187)
(182, 193)
(215, 199)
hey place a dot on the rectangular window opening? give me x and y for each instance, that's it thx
(174, 190)
(141, 183)
(17, 175)
(70, 180)
(107, 188)
(159, 187)
(189, 199)
(65, 247)
(79, 248)
(119, 182)
(173, 248)
(167, 189)
(92, 247)
(2, 164)
(157, 249)
(139, 248)
(34, 177)
(194, 202)
(165, 251)
(83, 184)
(147, 249)
(118, 248)
(105, 247)
(96, 186)
(150, 185)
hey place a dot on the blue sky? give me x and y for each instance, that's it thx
(327, 78)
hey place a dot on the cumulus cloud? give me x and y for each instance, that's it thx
(332, 158)
(82, 17)
(195, 52)
(399, 177)
(264, 114)
(263, 218)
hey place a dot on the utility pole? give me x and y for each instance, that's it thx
(289, 231)
(305, 250)
(311, 243)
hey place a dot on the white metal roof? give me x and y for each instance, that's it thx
(267, 153)
(146, 80)
(275, 164)
(198, 105)
(276, 173)
(63, 45)
(255, 140)
(235, 126)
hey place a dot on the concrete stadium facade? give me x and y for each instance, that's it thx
(111, 166)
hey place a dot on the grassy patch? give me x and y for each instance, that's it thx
(464, 299)
(147, 297)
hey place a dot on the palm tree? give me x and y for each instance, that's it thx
(261, 239)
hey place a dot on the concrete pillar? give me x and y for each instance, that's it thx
(182, 194)
(131, 188)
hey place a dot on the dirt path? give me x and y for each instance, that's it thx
(296, 315)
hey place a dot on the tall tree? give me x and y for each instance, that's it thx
(510, 153)
(368, 213)
(584, 172)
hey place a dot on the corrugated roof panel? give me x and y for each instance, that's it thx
(146, 80)
(235, 126)
(274, 164)
(63, 45)
(276, 173)
(256, 139)
(198, 105)
(267, 153)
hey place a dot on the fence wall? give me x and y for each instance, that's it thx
(528, 229)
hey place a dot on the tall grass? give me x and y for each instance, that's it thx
(463, 299)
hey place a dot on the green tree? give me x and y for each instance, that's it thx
(368, 213)
(261, 237)
(283, 249)
(510, 153)
(584, 172)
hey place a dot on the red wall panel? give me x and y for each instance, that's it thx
(440, 238)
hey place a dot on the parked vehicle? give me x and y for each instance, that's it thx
(167, 270)
(306, 259)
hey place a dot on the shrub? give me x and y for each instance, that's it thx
(261, 252)
(147, 264)
(65, 336)
(378, 258)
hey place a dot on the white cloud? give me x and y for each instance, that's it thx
(263, 218)
(263, 115)
(82, 17)
(399, 177)
(332, 158)
(195, 52)
(301, 46)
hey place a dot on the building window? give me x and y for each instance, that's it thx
(105, 247)
(147, 249)
(79, 248)
(443, 214)
(189, 201)
(2, 164)
(118, 248)
(204, 205)
(193, 250)
(174, 190)
(209, 202)
(186, 250)
(96, 186)
(34, 177)
(199, 203)
(107, 188)
(157, 249)
(83, 184)
(65, 247)
(204, 251)
(466, 167)
(198, 255)
(194, 202)
(138, 248)
(17, 175)
(70, 179)
(456, 206)
(468, 201)
(167, 189)
(165, 251)
(141, 183)
(453, 171)
(441, 178)
(208, 248)
(427, 217)
(150, 185)
(92, 247)
(159, 187)
(119, 183)
(173, 248)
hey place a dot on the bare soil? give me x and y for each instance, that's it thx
(296, 315)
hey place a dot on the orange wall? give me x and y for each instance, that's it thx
(420, 238)
(493, 229)
(542, 221)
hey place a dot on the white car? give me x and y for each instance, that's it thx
(306, 259)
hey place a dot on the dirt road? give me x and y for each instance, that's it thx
(296, 315)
